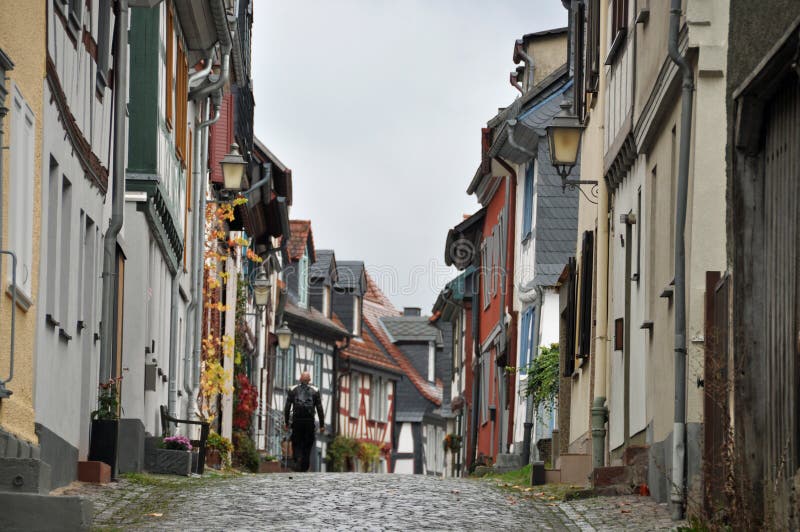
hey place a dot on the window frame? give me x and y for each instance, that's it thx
(618, 13)
(302, 279)
(22, 153)
(319, 363)
(289, 366)
(354, 395)
(527, 203)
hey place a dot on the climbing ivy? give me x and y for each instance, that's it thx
(543, 377)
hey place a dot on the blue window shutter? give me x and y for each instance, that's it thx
(527, 210)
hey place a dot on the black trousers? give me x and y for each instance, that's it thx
(303, 433)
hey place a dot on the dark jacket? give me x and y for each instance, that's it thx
(303, 399)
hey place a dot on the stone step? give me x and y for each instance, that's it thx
(32, 511)
(24, 475)
(636, 455)
(507, 462)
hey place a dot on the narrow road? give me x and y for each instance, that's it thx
(351, 501)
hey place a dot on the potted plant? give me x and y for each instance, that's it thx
(174, 457)
(105, 424)
(269, 464)
(218, 451)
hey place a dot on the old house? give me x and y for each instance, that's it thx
(367, 374)
(454, 308)
(423, 349)
(752, 314)
(546, 216)
(316, 333)
(23, 63)
(77, 156)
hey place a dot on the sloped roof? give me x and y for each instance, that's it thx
(373, 313)
(321, 269)
(375, 294)
(301, 236)
(313, 318)
(366, 350)
(411, 329)
(350, 275)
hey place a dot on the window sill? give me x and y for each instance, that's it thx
(616, 45)
(24, 301)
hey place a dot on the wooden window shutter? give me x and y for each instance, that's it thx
(578, 45)
(181, 103)
(169, 38)
(569, 347)
(592, 74)
(585, 309)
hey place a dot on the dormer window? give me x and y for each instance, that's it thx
(357, 316)
(326, 301)
(431, 361)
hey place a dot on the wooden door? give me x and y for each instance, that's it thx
(781, 263)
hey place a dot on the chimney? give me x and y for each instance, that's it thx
(411, 311)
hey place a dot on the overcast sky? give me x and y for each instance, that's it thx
(377, 106)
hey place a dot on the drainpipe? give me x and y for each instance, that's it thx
(172, 397)
(199, 249)
(195, 77)
(5, 393)
(679, 429)
(599, 408)
(508, 262)
(528, 60)
(118, 192)
(224, 36)
(514, 80)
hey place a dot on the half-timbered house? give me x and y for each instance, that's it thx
(423, 409)
(367, 373)
(315, 339)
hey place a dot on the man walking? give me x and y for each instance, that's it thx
(303, 399)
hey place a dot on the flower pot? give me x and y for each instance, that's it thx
(103, 441)
(173, 462)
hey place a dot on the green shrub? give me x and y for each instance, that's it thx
(369, 454)
(244, 451)
(341, 451)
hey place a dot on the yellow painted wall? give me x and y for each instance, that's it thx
(22, 38)
(588, 219)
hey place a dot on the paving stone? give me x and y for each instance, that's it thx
(354, 501)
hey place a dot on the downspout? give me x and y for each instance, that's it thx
(4, 392)
(118, 191)
(199, 249)
(172, 397)
(679, 429)
(225, 44)
(195, 77)
(528, 60)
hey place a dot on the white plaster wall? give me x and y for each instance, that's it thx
(405, 441)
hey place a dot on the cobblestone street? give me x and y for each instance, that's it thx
(352, 502)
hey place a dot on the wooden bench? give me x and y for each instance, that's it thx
(200, 444)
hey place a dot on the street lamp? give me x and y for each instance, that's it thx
(284, 334)
(564, 140)
(261, 287)
(233, 165)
